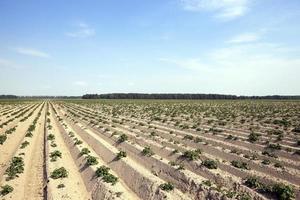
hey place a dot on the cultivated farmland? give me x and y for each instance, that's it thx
(150, 149)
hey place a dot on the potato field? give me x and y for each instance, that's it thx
(149, 149)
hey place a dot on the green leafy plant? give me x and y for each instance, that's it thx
(51, 137)
(240, 164)
(102, 171)
(6, 189)
(77, 141)
(147, 151)
(191, 155)
(274, 146)
(210, 164)
(84, 151)
(167, 186)
(109, 178)
(283, 192)
(121, 154)
(253, 137)
(24, 144)
(16, 167)
(244, 196)
(59, 173)
(61, 185)
(91, 160)
(123, 138)
(266, 162)
(252, 182)
(54, 155)
(3, 138)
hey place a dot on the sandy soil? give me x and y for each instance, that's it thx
(185, 132)
(8, 149)
(74, 186)
(28, 185)
(119, 187)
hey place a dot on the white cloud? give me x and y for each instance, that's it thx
(80, 83)
(83, 30)
(244, 38)
(224, 9)
(4, 63)
(247, 68)
(189, 63)
(32, 52)
(252, 56)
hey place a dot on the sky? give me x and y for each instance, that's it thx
(241, 47)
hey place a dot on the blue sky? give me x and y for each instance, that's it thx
(243, 47)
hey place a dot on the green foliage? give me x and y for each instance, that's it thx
(240, 164)
(59, 173)
(230, 137)
(281, 122)
(121, 154)
(123, 138)
(167, 186)
(54, 155)
(266, 162)
(51, 137)
(188, 137)
(24, 144)
(207, 183)
(181, 167)
(198, 139)
(244, 196)
(61, 185)
(252, 182)
(147, 151)
(175, 151)
(274, 146)
(16, 167)
(109, 178)
(269, 154)
(210, 164)
(10, 131)
(253, 137)
(84, 151)
(230, 194)
(3, 138)
(29, 134)
(192, 154)
(6, 189)
(283, 192)
(296, 129)
(77, 141)
(102, 171)
(91, 160)
(71, 134)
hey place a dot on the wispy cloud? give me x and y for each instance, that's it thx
(244, 38)
(83, 30)
(4, 63)
(188, 63)
(254, 56)
(223, 9)
(80, 83)
(247, 67)
(31, 52)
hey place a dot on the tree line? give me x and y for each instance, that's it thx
(8, 97)
(180, 96)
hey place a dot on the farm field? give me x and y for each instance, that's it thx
(150, 149)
